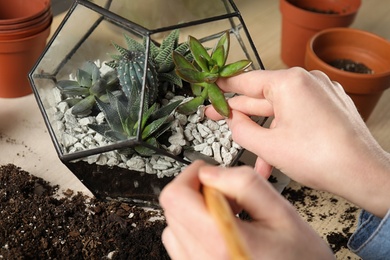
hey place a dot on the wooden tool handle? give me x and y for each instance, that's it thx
(219, 208)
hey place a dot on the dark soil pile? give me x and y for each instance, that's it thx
(306, 199)
(351, 66)
(36, 224)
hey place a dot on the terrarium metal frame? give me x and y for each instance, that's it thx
(136, 29)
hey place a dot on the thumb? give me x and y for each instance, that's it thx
(249, 190)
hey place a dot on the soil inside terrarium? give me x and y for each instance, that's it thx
(351, 66)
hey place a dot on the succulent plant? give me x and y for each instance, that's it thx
(130, 69)
(121, 114)
(88, 85)
(161, 68)
(205, 71)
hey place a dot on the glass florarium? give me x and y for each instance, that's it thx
(121, 86)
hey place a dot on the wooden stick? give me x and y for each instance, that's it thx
(219, 208)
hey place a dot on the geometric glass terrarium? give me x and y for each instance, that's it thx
(84, 84)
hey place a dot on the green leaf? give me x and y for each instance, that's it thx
(200, 54)
(218, 100)
(72, 88)
(84, 107)
(84, 78)
(234, 68)
(147, 114)
(223, 41)
(219, 56)
(98, 87)
(195, 76)
(165, 110)
(144, 151)
(171, 77)
(111, 114)
(196, 89)
(181, 62)
(191, 106)
(215, 69)
(152, 127)
(92, 69)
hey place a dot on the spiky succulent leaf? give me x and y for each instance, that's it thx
(111, 114)
(171, 40)
(171, 77)
(133, 45)
(153, 49)
(153, 127)
(184, 49)
(164, 57)
(234, 68)
(145, 151)
(165, 110)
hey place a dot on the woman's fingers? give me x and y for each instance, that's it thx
(249, 190)
(246, 105)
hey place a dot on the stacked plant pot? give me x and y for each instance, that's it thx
(24, 28)
(301, 19)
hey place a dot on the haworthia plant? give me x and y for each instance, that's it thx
(88, 85)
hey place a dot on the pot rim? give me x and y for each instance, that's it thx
(46, 6)
(27, 24)
(286, 4)
(23, 33)
(346, 31)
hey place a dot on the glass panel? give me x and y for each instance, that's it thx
(154, 14)
(93, 41)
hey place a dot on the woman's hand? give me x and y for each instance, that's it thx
(316, 137)
(276, 231)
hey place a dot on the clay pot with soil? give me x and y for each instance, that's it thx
(301, 19)
(358, 60)
(24, 29)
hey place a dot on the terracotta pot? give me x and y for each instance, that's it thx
(26, 32)
(299, 24)
(27, 24)
(18, 11)
(359, 46)
(17, 57)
